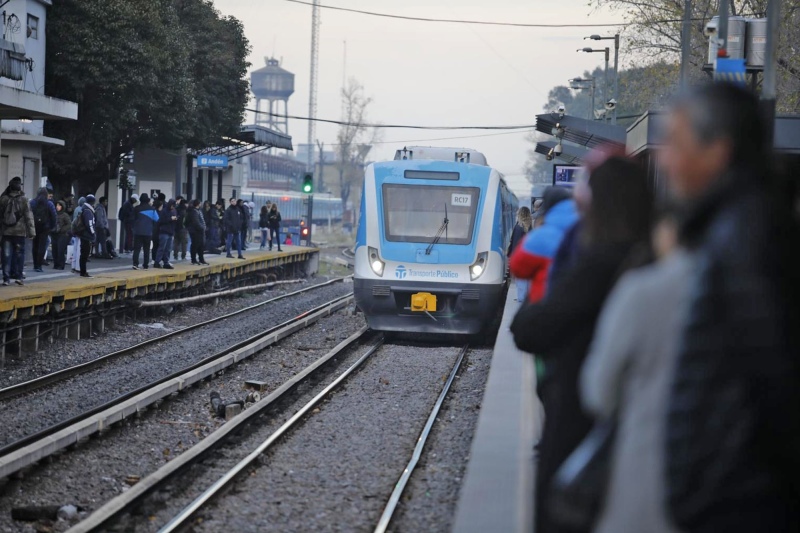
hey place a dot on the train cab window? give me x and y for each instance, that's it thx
(415, 213)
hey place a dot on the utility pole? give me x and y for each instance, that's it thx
(769, 94)
(686, 43)
(321, 176)
(616, 77)
(312, 84)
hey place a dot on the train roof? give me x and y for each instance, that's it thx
(459, 155)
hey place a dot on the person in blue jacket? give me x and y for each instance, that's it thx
(144, 220)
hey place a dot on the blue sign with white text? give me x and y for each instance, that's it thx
(212, 161)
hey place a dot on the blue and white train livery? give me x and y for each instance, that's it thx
(434, 227)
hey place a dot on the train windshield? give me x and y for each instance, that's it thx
(415, 213)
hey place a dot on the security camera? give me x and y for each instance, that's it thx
(549, 155)
(599, 113)
(558, 149)
(611, 104)
(710, 29)
(561, 110)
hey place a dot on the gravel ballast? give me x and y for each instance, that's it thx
(27, 414)
(101, 468)
(336, 472)
(429, 501)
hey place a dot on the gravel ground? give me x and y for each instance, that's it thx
(63, 353)
(336, 472)
(429, 501)
(29, 413)
(97, 470)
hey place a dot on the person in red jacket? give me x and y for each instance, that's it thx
(532, 258)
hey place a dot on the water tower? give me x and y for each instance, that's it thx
(272, 87)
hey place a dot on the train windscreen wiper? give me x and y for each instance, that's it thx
(442, 229)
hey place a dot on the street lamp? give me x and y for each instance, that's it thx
(606, 51)
(596, 37)
(574, 83)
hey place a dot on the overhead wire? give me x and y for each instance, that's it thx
(401, 141)
(477, 22)
(395, 126)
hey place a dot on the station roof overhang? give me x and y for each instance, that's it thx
(249, 140)
(580, 131)
(569, 154)
(647, 133)
(16, 104)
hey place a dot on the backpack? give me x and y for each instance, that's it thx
(10, 215)
(40, 214)
(78, 227)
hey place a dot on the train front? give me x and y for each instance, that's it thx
(430, 247)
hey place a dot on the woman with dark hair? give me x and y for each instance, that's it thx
(263, 225)
(274, 226)
(560, 327)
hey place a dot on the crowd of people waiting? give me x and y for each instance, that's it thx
(666, 334)
(154, 227)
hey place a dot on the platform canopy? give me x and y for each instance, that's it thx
(249, 140)
(579, 131)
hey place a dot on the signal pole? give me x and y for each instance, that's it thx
(312, 84)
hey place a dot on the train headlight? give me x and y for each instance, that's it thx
(477, 268)
(375, 261)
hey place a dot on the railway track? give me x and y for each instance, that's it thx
(66, 373)
(35, 447)
(169, 474)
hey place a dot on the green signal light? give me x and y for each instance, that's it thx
(308, 183)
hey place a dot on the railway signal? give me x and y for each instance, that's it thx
(308, 183)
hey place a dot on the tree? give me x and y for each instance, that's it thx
(640, 89)
(151, 73)
(654, 35)
(354, 140)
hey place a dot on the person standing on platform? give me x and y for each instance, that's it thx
(274, 227)
(242, 206)
(85, 229)
(44, 220)
(145, 217)
(181, 234)
(125, 217)
(101, 226)
(76, 241)
(263, 225)
(60, 237)
(196, 225)
(559, 328)
(521, 228)
(17, 225)
(167, 222)
(69, 201)
(232, 221)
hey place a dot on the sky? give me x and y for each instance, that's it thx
(424, 73)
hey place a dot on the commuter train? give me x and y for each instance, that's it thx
(431, 244)
(293, 207)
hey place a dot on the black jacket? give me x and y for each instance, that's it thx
(274, 219)
(559, 329)
(125, 214)
(733, 429)
(232, 219)
(195, 222)
(263, 220)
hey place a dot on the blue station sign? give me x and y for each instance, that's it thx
(212, 161)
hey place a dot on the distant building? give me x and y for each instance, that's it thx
(23, 106)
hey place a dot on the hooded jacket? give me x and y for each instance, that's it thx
(43, 202)
(89, 232)
(145, 217)
(63, 222)
(24, 226)
(532, 258)
(274, 219)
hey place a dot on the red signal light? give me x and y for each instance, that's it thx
(304, 231)
(285, 199)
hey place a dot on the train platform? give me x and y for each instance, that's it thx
(498, 488)
(61, 303)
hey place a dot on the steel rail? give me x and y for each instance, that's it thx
(188, 512)
(60, 375)
(115, 508)
(29, 439)
(400, 486)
